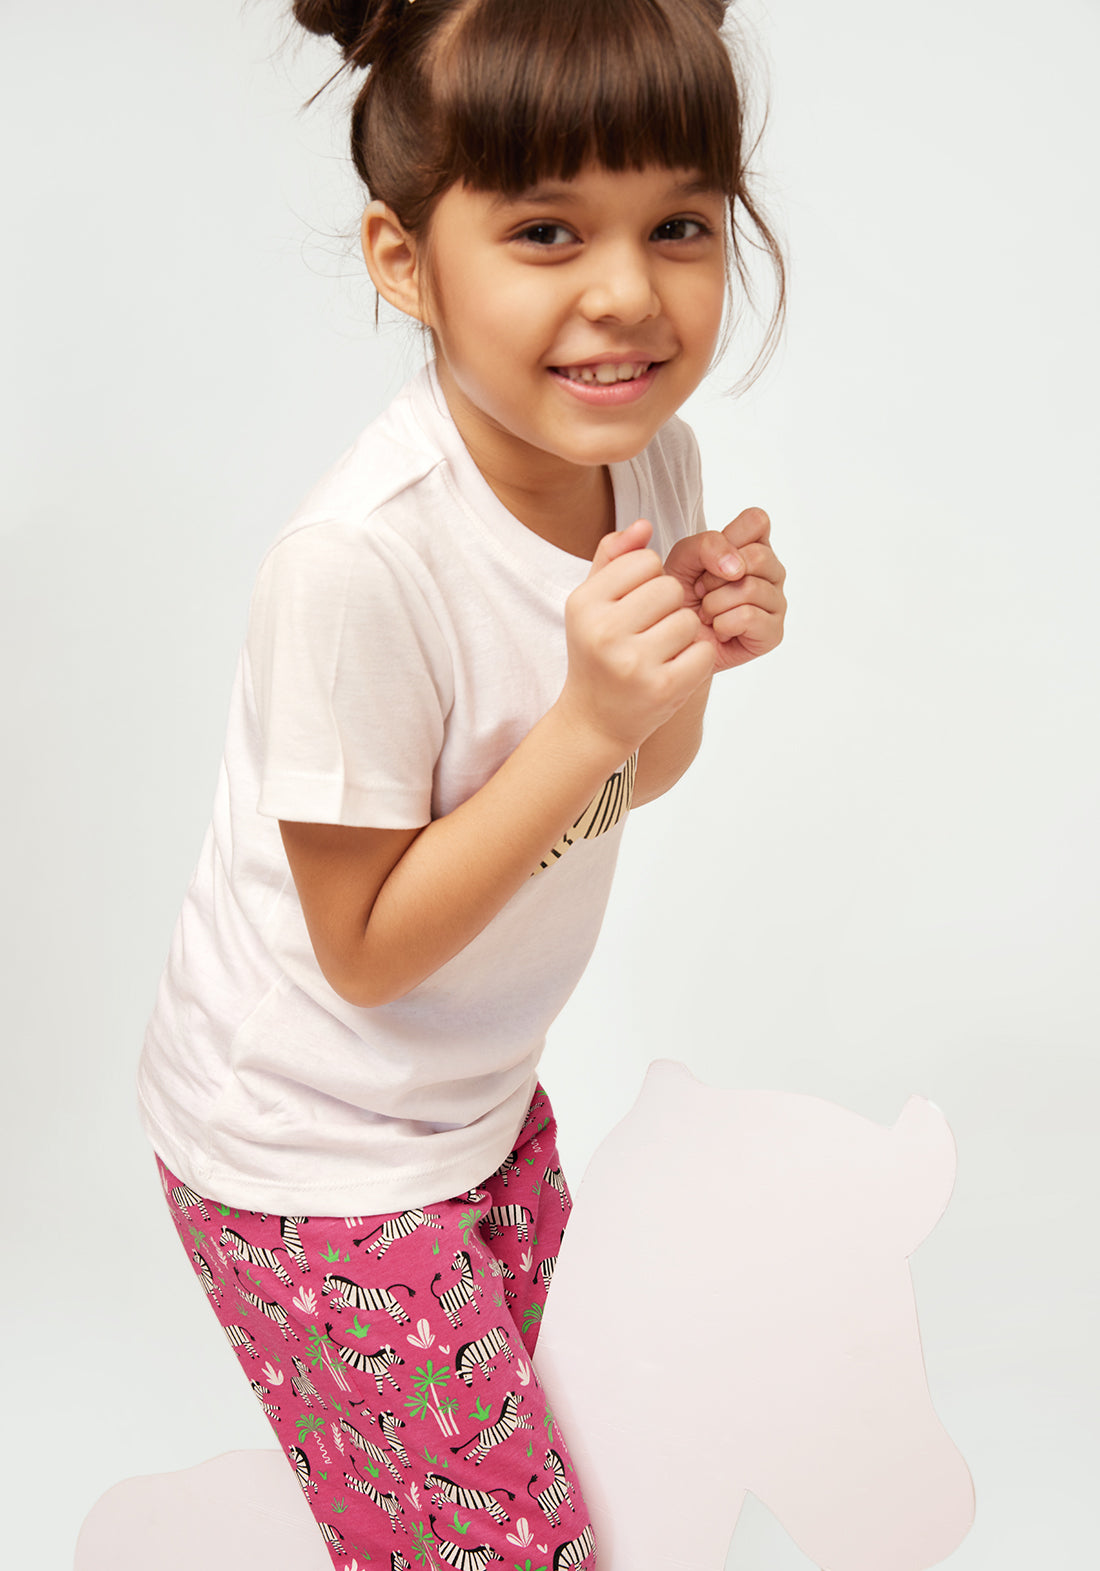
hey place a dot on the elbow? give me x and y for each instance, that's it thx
(368, 985)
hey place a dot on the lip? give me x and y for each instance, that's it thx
(606, 393)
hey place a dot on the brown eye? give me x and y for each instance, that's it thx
(680, 229)
(546, 235)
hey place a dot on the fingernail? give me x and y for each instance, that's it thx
(732, 565)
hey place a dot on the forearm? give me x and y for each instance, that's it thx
(462, 869)
(666, 755)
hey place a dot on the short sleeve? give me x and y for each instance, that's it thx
(351, 677)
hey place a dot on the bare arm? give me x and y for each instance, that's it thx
(667, 754)
(387, 908)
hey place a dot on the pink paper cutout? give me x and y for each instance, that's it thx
(244, 1509)
(753, 1326)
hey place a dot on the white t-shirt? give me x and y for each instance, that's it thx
(406, 633)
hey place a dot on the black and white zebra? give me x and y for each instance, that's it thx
(497, 1218)
(575, 1552)
(507, 1168)
(376, 1364)
(388, 1503)
(398, 1227)
(332, 1538)
(448, 1493)
(398, 1562)
(496, 1434)
(288, 1231)
(389, 1424)
(555, 1179)
(302, 1384)
(349, 1295)
(268, 1307)
(185, 1198)
(269, 1407)
(301, 1467)
(454, 1300)
(545, 1272)
(480, 1354)
(206, 1276)
(499, 1268)
(554, 1495)
(239, 1337)
(243, 1250)
(368, 1448)
(462, 1559)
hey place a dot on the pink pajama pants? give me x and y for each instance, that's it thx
(392, 1356)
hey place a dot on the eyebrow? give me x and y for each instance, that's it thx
(563, 194)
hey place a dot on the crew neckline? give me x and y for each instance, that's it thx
(481, 503)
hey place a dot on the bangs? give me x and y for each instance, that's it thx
(525, 93)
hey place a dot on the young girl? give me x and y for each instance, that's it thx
(487, 634)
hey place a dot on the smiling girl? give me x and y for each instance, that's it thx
(487, 634)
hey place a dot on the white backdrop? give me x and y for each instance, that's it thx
(881, 875)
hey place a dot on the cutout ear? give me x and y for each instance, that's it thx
(394, 259)
(923, 1152)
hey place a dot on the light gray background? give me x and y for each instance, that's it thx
(880, 876)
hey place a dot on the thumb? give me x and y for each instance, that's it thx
(618, 543)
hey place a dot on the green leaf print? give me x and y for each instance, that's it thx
(459, 1526)
(423, 1540)
(339, 1506)
(468, 1221)
(532, 1317)
(527, 1566)
(308, 1424)
(318, 1343)
(358, 1330)
(330, 1253)
(481, 1412)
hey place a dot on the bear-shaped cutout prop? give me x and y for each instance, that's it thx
(732, 1310)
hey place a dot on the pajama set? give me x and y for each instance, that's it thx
(371, 1198)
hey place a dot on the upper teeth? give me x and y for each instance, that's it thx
(607, 373)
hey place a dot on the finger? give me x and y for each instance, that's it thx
(760, 562)
(747, 591)
(755, 630)
(619, 542)
(749, 527)
(650, 602)
(670, 636)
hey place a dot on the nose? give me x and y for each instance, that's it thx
(619, 286)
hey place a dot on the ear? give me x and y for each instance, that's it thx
(393, 259)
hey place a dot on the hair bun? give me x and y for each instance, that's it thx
(354, 24)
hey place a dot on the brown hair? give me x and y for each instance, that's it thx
(503, 94)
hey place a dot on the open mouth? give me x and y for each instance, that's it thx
(604, 374)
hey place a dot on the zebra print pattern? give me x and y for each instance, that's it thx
(375, 1453)
(497, 1218)
(545, 1272)
(449, 1493)
(455, 1299)
(575, 1552)
(509, 1421)
(241, 1249)
(462, 1559)
(388, 1503)
(554, 1178)
(349, 1295)
(479, 1355)
(332, 1538)
(507, 1168)
(238, 1338)
(288, 1232)
(184, 1198)
(301, 1467)
(302, 1385)
(269, 1407)
(389, 1423)
(273, 1310)
(377, 1364)
(398, 1227)
(206, 1276)
(556, 1494)
(604, 811)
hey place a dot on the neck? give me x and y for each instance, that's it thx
(570, 505)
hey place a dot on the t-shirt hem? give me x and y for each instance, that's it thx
(398, 1192)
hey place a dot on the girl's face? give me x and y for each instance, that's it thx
(572, 321)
